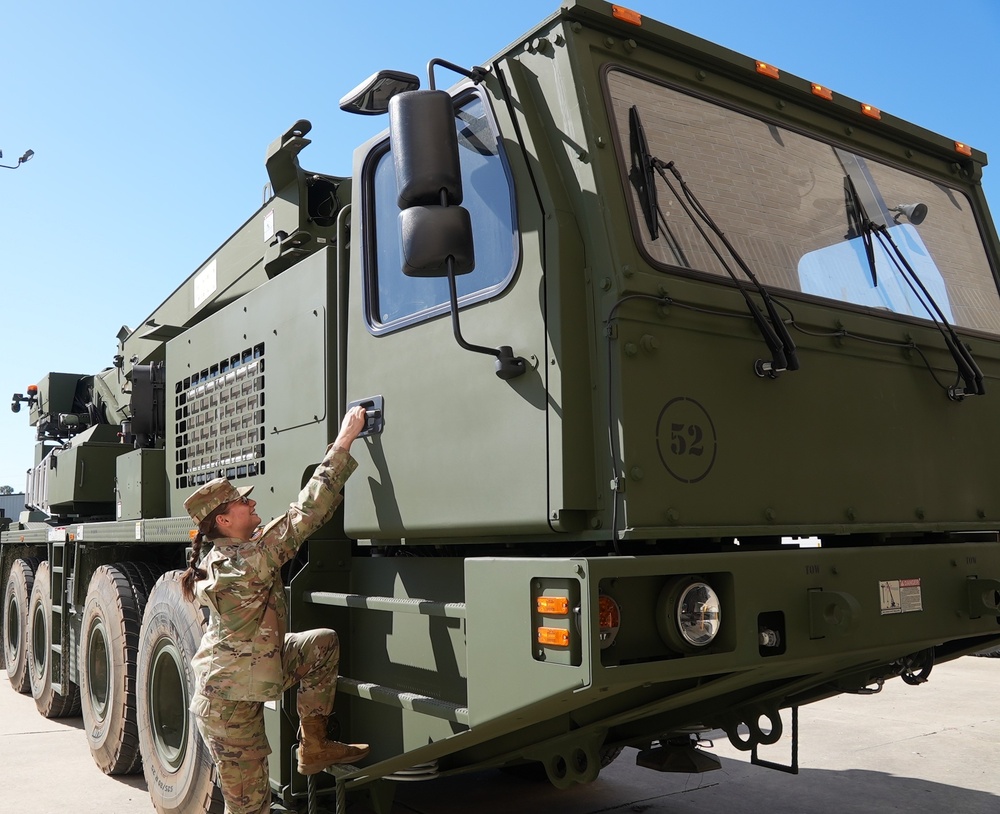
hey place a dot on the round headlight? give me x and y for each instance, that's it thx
(688, 614)
(698, 614)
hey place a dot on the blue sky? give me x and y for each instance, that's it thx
(149, 124)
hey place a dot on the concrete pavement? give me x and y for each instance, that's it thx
(930, 749)
(45, 766)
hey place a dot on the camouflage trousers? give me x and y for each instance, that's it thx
(234, 730)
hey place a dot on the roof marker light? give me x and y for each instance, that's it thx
(626, 15)
(765, 69)
(964, 149)
(871, 112)
(821, 92)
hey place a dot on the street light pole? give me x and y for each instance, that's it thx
(26, 157)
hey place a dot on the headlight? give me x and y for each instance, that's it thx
(698, 614)
(688, 614)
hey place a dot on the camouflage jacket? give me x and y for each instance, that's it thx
(240, 653)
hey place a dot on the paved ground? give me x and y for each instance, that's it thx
(933, 749)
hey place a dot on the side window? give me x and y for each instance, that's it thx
(392, 300)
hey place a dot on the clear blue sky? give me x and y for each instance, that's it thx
(149, 124)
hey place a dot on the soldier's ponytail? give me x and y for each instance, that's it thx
(194, 573)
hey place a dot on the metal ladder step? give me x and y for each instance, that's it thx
(424, 704)
(389, 604)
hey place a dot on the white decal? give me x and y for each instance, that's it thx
(900, 596)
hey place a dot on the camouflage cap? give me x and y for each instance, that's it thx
(213, 494)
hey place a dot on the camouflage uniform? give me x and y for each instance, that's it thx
(246, 657)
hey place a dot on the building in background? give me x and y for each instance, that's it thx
(11, 507)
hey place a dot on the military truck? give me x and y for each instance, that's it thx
(632, 316)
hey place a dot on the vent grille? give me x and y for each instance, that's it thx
(219, 421)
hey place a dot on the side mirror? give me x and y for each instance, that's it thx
(371, 97)
(435, 230)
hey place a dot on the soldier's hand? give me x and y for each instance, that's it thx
(352, 425)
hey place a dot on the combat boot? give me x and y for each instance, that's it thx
(316, 751)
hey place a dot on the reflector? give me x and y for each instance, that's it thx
(557, 636)
(553, 605)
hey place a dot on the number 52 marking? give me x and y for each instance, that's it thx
(686, 439)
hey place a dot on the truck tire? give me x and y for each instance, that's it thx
(109, 639)
(179, 771)
(142, 576)
(16, 597)
(50, 703)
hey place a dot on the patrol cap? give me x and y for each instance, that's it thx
(206, 499)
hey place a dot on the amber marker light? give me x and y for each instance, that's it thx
(871, 112)
(553, 605)
(964, 149)
(555, 636)
(626, 15)
(32, 389)
(765, 69)
(821, 92)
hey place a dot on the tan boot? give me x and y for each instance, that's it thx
(316, 751)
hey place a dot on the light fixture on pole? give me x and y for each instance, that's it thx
(26, 157)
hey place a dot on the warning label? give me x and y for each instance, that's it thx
(900, 596)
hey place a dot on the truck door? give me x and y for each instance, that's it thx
(458, 451)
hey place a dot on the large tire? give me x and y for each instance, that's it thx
(142, 576)
(16, 597)
(109, 640)
(179, 771)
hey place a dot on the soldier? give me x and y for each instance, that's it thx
(246, 657)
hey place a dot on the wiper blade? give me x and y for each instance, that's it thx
(779, 341)
(968, 370)
(860, 224)
(642, 176)
(641, 172)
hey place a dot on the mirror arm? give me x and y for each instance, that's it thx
(477, 74)
(507, 365)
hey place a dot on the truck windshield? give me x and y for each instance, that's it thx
(787, 202)
(393, 300)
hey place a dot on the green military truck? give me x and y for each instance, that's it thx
(632, 316)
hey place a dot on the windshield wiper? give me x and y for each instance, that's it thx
(968, 370)
(779, 341)
(864, 227)
(775, 333)
(860, 224)
(641, 174)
